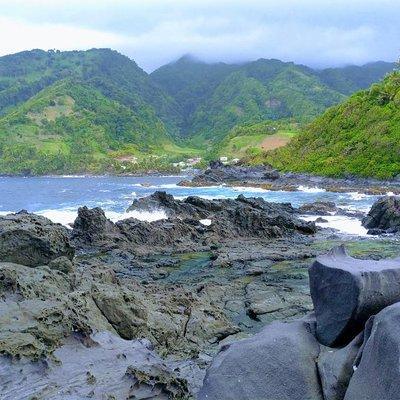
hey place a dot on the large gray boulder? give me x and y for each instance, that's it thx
(276, 364)
(335, 368)
(347, 291)
(378, 373)
(32, 240)
(384, 215)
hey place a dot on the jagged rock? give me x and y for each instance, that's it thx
(92, 227)
(218, 173)
(377, 375)
(384, 216)
(318, 208)
(32, 240)
(186, 229)
(277, 363)
(102, 366)
(62, 264)
(335, 367)
(347, 291)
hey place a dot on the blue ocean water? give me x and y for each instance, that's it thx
(59, 197)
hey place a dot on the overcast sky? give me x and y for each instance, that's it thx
(318, 33)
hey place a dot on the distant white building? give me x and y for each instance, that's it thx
(193, 161)
(223, 159)
(235, 160)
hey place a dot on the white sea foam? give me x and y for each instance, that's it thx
(6, 212)
(205, 222)
(349, 225)
(68, 176)
(249, 189)
(148, 216)
(62, 216)
(307, 189)
(357, 196)
(68, 216)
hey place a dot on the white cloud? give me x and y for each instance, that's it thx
(153, 32)
(19, 35)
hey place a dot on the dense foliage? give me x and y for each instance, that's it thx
(359, 137)
(217, 97)
(96, 110)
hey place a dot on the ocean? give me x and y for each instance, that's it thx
(59, 197)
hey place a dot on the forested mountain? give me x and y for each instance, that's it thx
(83, 110)
(359, 137)
(217, 97)
(68, 111)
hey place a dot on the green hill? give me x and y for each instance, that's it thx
(96, 110)
(359, 137)
(72, 127)
(78, 111)
(217, 97)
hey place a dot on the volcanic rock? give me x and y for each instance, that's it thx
(347, 291)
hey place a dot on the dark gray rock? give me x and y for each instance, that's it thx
(347, 291)
(91, 227)
(318, 208)
(335, 367)
(220, 173)
(278, 363)
(384, 215)
(32, 240)
(378, 373)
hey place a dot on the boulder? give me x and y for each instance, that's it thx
(384, 215)
(92, 227)
(347, 291)
(335, 368)
(318, 208)
(32, 240)
(377, 375)
(277, 363)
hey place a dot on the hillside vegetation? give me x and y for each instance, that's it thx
(97, 111)
(359, 137)
(223, 96)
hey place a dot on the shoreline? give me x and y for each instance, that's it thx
(269, 179)
(287, 182)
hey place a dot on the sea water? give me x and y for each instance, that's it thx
(58, 198)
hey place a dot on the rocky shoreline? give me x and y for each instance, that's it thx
(270, 179)
(138, 309)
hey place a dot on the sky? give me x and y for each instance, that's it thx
(318, 33)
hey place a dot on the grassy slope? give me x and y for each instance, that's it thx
(247, 140)
(359, 137)
(69, 127)
(218, 97)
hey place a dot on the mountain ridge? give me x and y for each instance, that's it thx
(185, 108)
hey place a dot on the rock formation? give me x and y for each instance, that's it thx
(32, 240)
(384, 216)
(288, 361)
(277, 363)
(347, 291)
